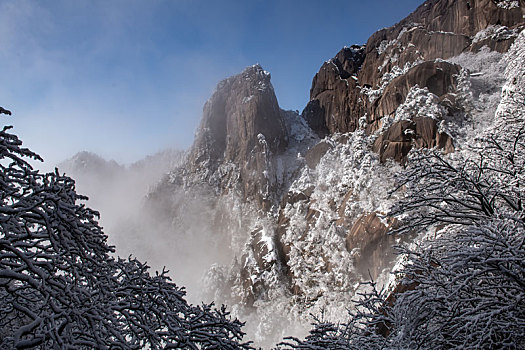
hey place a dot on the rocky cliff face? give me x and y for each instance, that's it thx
(372, 81)
(242, 127)
(303, 201)
(333, 93)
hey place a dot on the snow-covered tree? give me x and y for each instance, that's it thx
(465, 189)
(467, 290)
(61, 287)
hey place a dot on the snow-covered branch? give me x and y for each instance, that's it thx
(61, 287)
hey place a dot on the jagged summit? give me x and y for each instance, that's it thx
(241, 127)
(242, 107)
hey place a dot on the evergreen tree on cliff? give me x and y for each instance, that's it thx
(61, 287)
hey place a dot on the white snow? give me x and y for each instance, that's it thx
(495, 32)
(508, 4)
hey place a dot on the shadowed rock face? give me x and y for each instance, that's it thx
(334, 96)
(370, 235)
(401, 136)
(241, 126)
(314, 114)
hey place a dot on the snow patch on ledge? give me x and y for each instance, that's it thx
(495, 32)
(508, 4)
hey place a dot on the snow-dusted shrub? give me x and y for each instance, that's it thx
(479, 88)
(60, 286)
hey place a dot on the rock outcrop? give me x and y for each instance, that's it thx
(438, 77)
(314, 154)
(333, 94)
(370, 235)
(437, 29)
(373, 80)
(241, 128)
(400, 137)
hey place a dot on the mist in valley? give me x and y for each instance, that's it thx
(185, 244)
(197, 236)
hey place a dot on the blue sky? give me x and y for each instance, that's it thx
(126, 78)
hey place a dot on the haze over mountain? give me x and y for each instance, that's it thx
(281, 215)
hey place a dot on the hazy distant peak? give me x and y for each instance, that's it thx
(166, 159)
(89, 161)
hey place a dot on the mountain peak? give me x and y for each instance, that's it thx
(241, 125)
(89, 161)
